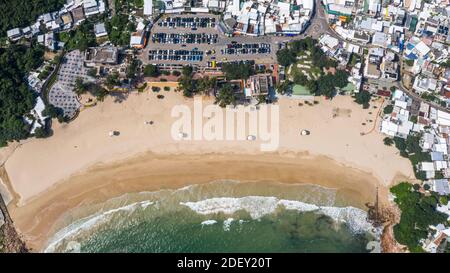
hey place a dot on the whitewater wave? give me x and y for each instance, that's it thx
(227, 224)
(259, 206)
(89, 222)
(208, 222)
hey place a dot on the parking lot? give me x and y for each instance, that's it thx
(242, 49)
(192, 22)
(168, 43)
(184, 38)
(193, 55)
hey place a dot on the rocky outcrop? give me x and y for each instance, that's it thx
(12, 243)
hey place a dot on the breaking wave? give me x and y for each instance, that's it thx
(259, 206)
(89, 222)
(204, 200)
(208, 222)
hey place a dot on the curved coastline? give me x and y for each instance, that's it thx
(97, 167)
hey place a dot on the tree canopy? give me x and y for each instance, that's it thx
(286, 57)
(80, 38)
(226, 96)
(237, 70)
(15, 97)
(151, 71)
(363, 98)
(119, 27)
(418, 213)
(326, 84)
(19, 13)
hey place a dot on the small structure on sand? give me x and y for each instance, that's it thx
(113, 133)
(182, 135)
(305, 133)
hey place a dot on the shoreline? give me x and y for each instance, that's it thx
(88, 166)
(37, 220)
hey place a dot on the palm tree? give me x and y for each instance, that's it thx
(80, 87)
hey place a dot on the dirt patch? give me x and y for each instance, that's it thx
(341, 112)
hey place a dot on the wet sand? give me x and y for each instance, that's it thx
(80, 164)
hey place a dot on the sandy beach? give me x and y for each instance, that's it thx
(82, 164)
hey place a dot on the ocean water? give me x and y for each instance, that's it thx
(221, 216)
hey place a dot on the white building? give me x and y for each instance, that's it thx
(100, 30)
(148, 7)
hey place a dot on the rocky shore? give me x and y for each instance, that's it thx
(10, 240)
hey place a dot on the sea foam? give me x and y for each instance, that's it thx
(208, 222)
(259, 206)
(89, 222)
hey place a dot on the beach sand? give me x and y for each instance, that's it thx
(82, 164)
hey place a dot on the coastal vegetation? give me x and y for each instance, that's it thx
(132, 69)
(79, 38)
(54, 112)
(15, 98)
(119, 27)
(410, 148)
(94, 89)
(191, 86)
(151, 70)
(418, 213)
(235, 71)
(226, 96)
(308, 66)
(112, 80)
(363, 98)
(388, 141)
(388, 109)
(19, 13)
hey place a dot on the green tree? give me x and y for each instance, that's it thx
(363, 98)
(186, 81)
(312, 86)
(418, 212)
(80, 87)
(54, 112)
(112, 80)
(82, 37)
(132, 69)
(388, 141)
(92, 72)
(226, 96)
(18, 13)
(283, 88)
(206, 84)
(326, 86)
(151, 71)
(15, 98)
(301, 79)
(409, 62)
(41, 132)
(286, 57)
(237, 70)
(388, 109)
(341, 78)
